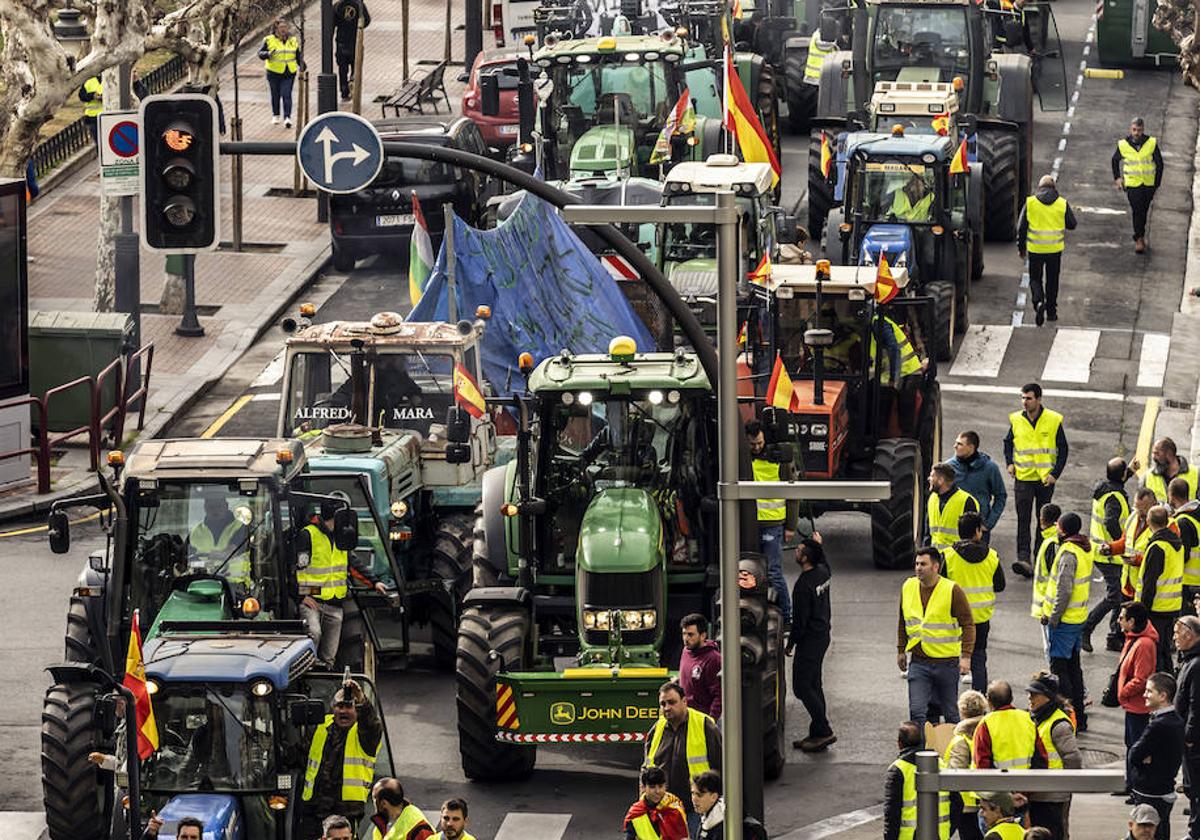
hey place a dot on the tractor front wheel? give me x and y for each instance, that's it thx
(450, 562)
(774, 699)
(942, 292)
(820, 188)
(1000, 152)
(896, 523)
(72, 787)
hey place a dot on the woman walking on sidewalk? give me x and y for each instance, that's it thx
(281, 52)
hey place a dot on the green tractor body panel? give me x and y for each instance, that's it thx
(204, 600)
(579, 704)
(621, 532)
(1127, 37)
(603, 149)
(693, 278)
(604, 375)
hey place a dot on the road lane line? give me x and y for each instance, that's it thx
(220, 422)
(982, 351)
(1152, 364)
(269, 396)
(271, 374)
(1070, 358)
(533, 826)
(834, 825)
(1057, 393)
(37, 529)
(1146, 433)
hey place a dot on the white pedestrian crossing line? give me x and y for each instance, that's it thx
(1152, 364)
(982, 351)
(271, 374)
(533, 826)
(1071, 355)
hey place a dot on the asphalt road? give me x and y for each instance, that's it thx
(1097, 362)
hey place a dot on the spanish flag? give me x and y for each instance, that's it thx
(743, 124)
(467, 393)
(826, 155)
(762, 273)
(885, 283)
(958, 164)
(135, 681)
(741, 339)
(737, 10)
(941, 123)
(780, 392)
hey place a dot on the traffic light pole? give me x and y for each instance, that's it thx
(326, 88)
(127, 294)
(190, 324)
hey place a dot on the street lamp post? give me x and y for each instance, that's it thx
(326, 88)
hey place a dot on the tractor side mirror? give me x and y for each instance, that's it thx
(60, 531)
(98, 562)
(458, 425)
(489, 94)
(307, 712)
(345, 529)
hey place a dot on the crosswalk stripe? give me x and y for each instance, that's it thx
(22, 825)
(1070, 358)
(982, 351)
(1152, 364)
(271, 374)
(533, 826)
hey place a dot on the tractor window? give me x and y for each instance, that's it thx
(684, 242)
(413, 390)
(897, 192)
(920, 43)
(319, 392)
(913, 123)
(614, 92)
(844, 359)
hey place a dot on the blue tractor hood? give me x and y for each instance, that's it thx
(894, 240)
(218, 811)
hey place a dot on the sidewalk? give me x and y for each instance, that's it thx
(240, 295)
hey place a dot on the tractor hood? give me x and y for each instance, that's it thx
(218, 812)
(694, 278)
(204, 600)
(605, 148)
(894, 240)
(621, 532)
(229, 658)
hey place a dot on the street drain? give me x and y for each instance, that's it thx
(1093, 757)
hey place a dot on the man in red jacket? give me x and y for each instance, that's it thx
(1139, 659)
(700, 667)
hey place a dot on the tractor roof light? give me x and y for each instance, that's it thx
(116, 458)
(283, 457)
(308, 310)
(483, 312)
(529, 40)
(509, 509)
(959, 84)
(937, 230)
(622, 349)
(277, 802)
(251, 607)
(525, 362)
(897, 130)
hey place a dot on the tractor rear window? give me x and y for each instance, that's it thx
(920, 43)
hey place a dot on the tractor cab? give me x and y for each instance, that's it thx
(919, 107)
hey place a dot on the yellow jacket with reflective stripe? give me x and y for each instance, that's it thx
(1168, 591)
(1014, 738)
(1077, 607)
(1137, 165)
(1047, 225)
(282, 58)
(1159, 484)
(817, 51)
(409, 818)
(943, 521)
(201, 539)
(1099, 534)
(1191, 560)
(769, 510)
(1007, 830)
(358, 766)
(326, 566)
(95, 106)
(975, 580)
(969, 799)
(908, 804)
(1035, 447)
(909, 363)
(1131, 575)
(1053, 759)
(934, 628)
(1041, 568)
(697, 743)
(903, 208)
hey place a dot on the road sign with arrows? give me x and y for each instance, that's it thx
(340, 152)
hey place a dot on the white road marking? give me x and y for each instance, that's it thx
(982, 351)
(271, 374)
(269, 396)
(1062, 144)
(834, 825)
(1018, 317)
(22, 825)
(1099, 211)
(1152, 364)
(1056, 393)
(1066, 128)
(1097, 244)
(533, 826)
(1070, 358)
(1020, 300)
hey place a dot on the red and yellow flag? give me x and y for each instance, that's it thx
(741, 339)
(737, 10)
(780, 392)
(135, 681)
(826, 155)
(941, 123)
(762, 273)
(467, 393)
(742, 122)
(885, 283)
(959, 164)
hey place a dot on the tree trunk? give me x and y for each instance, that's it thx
(105, 296)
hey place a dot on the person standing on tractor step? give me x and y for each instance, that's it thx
(1041, 233)
(345, 37)
(900, 789)
(809, 641)
(1158, 753)
(1035, 450)
(1159, 585)
(1137, 168)
(976, 568)
(1110, 509)
(1187, 520)
(936, 625)
(700, 667)
(281, 53)
(395, 817)
(777, 518)
(1167, 466)
(684, 742)
(946, 504)
(341, 760)
(980, 476)
(1187, 704)
(1065, 609)
(1057, 749)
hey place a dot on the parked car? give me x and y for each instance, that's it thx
(379, 219)
(499, 131)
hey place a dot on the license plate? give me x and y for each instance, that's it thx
(509, 129)
(395, 220)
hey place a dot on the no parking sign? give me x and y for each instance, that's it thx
(120, 153)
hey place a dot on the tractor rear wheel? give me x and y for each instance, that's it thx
(489, 637)
(896, 523)
(942, 292)
(453, 545)
(81, 647)
(768, 108)
(820, 189)
(1000, 152)
(72, 790)
(774, 698)
(801, 98)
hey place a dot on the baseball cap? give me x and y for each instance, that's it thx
(1001, 799)
(1046, 685)
(1144, 815)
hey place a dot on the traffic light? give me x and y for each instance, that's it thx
(752, 609)
(181, 210)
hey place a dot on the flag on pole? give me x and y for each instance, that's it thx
(780, 392)
(741, 339)
(959, 164)
(885, 283)
(737, 10)
(826, 155)
(467, 393)
(135, 681)
(762, 273)
(420, 254)
(743, 124)
(681, 120)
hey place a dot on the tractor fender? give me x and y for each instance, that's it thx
(510, 596)
(709, 131)
(1015, 98)
(975, 198)
(797, 43)
(834, 87)
(496, 489)
(749, 67)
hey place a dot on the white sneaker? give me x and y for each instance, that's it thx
(274, 120)
(287, 122)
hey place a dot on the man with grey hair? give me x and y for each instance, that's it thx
(1187, 704)
(336, 827)
(1041, 229)
(1137, 168)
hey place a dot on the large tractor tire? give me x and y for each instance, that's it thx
(1000, 152)
(767, 103)
(488, 637)
(450, 562)
(929, 427)
(774, 699)
(801, 98)
(81, 647)
(896, 523)
(977, 255)
(942, 292)
(820, 189)
(71, 785)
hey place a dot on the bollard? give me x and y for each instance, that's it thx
(236, 198)
(927, 795)
(1102, 73)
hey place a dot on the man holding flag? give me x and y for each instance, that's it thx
(1041, 232)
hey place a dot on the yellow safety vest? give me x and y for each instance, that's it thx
(1077, 607)
(903, 208)
(1041, 569)
(1047, 225)
(975, 580)
(1053, 759)
(909, 363)
(943, 521)
(358, 765)
(908, 804)
(326, 566)
(935, 629)
(95, 106)
(1168, 593)
(817, 51)
(769, 510)
(970, 800)
(1159, 485)
(1137, 165)
(1007, 830)
(697, 742)
(644, 829)
(1014, 739)
(201, 539)
(1131, 576)
(409, 818)
(1035, 446)
(282, 58)
(1191, 562)
(1099, 533)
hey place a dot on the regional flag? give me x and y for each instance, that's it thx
(762, 273)
(681, 120)
(885, 283)
(958, 164)
(780, 392)
(420, 254)
(743, 124)
(467, 393)
(826, 155)
(135, 681)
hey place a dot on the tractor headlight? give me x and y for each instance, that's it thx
(261, 688)
(399, 508)
(585, 398)
(152, 686)
(597, 619)
(638, 619)
(655, 397)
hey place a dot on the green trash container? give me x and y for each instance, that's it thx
(67, 345)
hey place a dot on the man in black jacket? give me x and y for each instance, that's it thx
(1187, 705)
(908, 741)
(1137, 168)
(1107, 527)
(1155, 757)
(1044, 246)
(1157, 576)
(809, 640)
(968, 562)
(345, 35)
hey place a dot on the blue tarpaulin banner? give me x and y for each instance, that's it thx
(546, 290)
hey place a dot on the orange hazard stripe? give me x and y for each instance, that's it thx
(506, 708)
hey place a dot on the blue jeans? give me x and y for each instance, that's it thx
(1135, 725)
(936, 681)
(281, 92)
(772, 546)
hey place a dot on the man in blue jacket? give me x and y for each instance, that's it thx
(980, 476)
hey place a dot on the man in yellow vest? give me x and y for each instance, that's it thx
(1006, 738)
(1137, 168)
(1132, 544)
(1160, 584)
(998, 810)
(777, 518)
(220, 541)
(1065, 609)
(946, 505)
(658, 814)
(900, 789)
(401, 819)
(454, 822)
(337, 827)
(683, 742)
(1187, 520)
(976, 568)
(912, 202)
(341, 760)
(1057, 749)
(1043, 563)
(1110, 509)
(938, 629)
(1041, 234)
(1168, 465)
(1035, 450)
(91, 94)
(820, 46)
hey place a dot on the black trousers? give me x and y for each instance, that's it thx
(1049, 815)
(1164, 625)
(807, 684)
(1070, 680)
(1191, 784)
(1051, 264)
(1110, 605)
(1030, 495)
(1139, 203)
(345, 71)
(979, 671)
